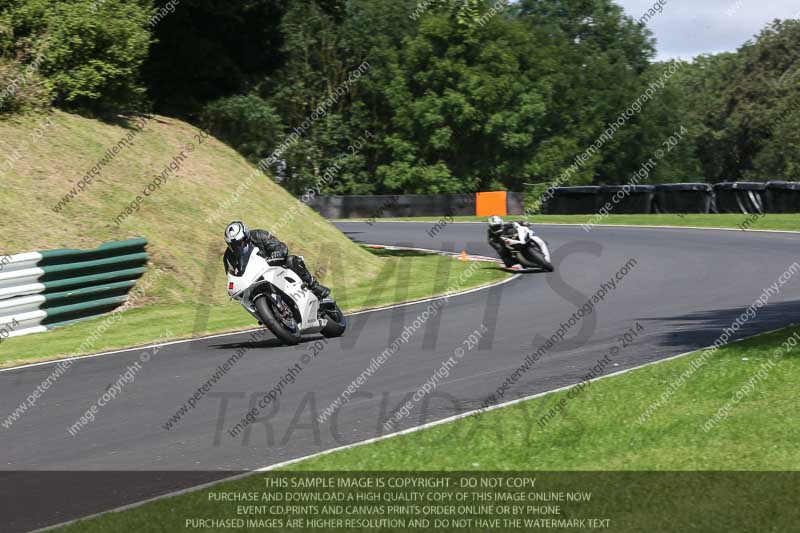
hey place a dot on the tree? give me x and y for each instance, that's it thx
(467, 107)
(91, 52)
(762, 104)
(210, 49)
(597, 64)
(247, 123)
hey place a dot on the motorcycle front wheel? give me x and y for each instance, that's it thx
(532, 257)
(278, 317)
(337, 323)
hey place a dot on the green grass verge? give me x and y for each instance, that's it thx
(599, 430)
(404, 276)
(785, 222)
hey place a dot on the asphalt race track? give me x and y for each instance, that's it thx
(684, 286)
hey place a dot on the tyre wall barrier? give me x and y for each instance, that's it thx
(416, 205)
(733, 197)
(627, 199)
(399, 205)
(572, 201)
(740, 197)
(683, 198)
(783, 197)
(515, 203)
(679, 198)
(43, 290)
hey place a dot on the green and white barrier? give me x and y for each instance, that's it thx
(43, 290)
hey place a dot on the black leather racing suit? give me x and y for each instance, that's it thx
(496, 241)
(272, 248)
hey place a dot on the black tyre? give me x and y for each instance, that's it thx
(532, 257)
(337, 322)
(279, 318)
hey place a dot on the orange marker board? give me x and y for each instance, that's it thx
(489, 204)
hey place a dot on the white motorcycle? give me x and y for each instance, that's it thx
(529, 249)
(276, 297)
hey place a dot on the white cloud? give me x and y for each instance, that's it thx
(686, 28)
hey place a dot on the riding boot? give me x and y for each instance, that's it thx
(320, 291)
(298, 266)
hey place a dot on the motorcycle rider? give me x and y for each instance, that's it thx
(240, 239)
(499, 229)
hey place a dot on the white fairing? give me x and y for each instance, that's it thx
(542, 246)
(526, 234)
(522, 232)
(260, 272)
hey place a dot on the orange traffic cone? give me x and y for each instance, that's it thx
(463, 256)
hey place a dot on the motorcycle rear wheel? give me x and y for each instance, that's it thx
(284, 330)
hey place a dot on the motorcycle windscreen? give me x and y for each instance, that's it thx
(241, 255)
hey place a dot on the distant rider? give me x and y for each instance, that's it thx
(240, 239)
(499, 229)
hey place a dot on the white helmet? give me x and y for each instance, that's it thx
(495, 223)
(236, 234)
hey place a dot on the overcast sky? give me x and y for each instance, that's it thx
(686, 28)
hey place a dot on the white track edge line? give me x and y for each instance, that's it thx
(414, 429)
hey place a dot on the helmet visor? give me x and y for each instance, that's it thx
(237, 244)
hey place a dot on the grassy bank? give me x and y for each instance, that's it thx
(403, 277)
(602, 429)
(784, 222)
(183, 220)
